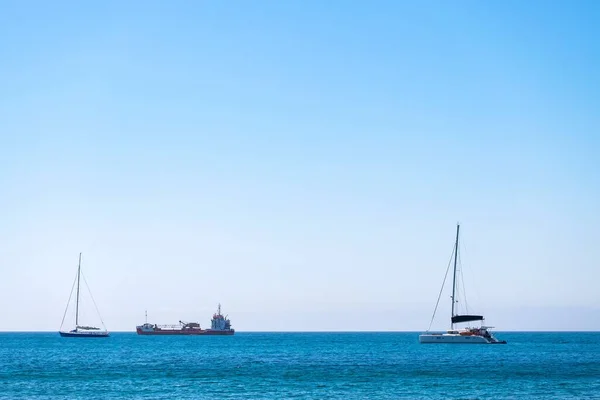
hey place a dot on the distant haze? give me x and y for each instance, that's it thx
(303, 163)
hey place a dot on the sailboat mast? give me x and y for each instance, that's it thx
(77, 303)
(454, 275)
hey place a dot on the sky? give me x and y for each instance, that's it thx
(303, 163)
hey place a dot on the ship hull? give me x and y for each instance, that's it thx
(185, 332)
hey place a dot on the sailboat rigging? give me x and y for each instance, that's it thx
(479, 335)
(81, 330)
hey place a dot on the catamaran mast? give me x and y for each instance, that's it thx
(77, 303)
(454, 275)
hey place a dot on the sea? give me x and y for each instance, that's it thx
(352, 365)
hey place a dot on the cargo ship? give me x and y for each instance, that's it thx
(219, 325)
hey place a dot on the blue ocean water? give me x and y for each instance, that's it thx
(298, 365)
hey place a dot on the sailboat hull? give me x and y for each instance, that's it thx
(84, 334)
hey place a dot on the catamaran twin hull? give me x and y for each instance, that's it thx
(457, 339)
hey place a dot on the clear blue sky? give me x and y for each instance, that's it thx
(302, 162)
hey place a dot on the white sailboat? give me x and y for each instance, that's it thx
(468, 335)
(81, 330)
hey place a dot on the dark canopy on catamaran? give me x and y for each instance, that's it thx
(466, 318)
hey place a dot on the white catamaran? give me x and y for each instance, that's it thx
(81, 330)
(468, 335)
